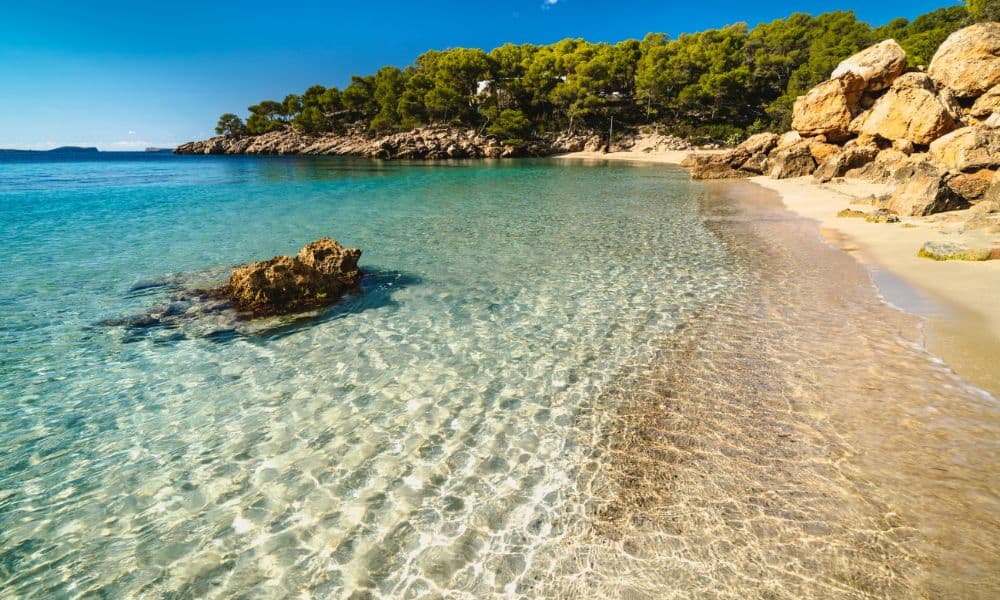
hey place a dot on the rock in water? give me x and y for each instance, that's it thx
(319, 275)
(330, 258)
(968, 61)
(878, 65)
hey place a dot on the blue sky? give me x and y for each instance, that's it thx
(124, 75)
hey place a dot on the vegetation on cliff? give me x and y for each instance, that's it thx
(721, 83)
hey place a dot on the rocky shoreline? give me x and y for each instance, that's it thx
(425, 143)
(933, 137)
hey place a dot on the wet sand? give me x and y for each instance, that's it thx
(954, 296)
(962, 326)
(794, 441)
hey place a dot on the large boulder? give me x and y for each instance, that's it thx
(330, 258)
(971, 186)
(758, 146)
(888, 166)
(837, 165)
(751, 155)
(924, 195)
(987, 104)
(713, 166)
(321, 273)
(968, 61)
(910, 110)
(828, 108)
(968, 149)
(821, 151)
(878, 65)
(794, 161)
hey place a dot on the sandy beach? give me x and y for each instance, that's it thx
(952, 296)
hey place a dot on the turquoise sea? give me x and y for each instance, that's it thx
(431, 433)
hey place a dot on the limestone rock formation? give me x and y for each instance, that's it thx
(968, 149)
(910, 110)
(713, 166)
(821, 151)
(971, 186)
(749, 158)
(884, 169)
(837, 165)
(828, 108)
(877, 65)
(987, 104)
(968, 61)
(924, 195)
(319, 275)
(794, 161)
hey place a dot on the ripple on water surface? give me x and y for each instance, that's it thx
(435, 437)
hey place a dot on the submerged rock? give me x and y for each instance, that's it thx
(320, 274)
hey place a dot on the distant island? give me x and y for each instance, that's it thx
(60, 150)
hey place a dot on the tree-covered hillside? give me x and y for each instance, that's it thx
(720, 83)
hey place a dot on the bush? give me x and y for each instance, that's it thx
(510, 124)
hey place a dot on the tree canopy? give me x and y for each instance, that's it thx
(720, 82)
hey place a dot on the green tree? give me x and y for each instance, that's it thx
(231, 126)
(510, 124)
(388, 87)
(983, 10)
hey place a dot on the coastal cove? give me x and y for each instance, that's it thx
(560, 378)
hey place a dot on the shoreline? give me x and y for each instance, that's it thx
(948, 296)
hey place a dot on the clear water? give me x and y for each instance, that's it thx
(430, 434)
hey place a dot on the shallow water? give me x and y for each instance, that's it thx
(794, 440)
(425, 435)
(560, 380)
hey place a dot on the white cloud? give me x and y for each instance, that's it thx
(547, 4)
(130, 132)
(125, 144)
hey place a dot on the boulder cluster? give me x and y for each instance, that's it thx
(318, 275)
(936, 133)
